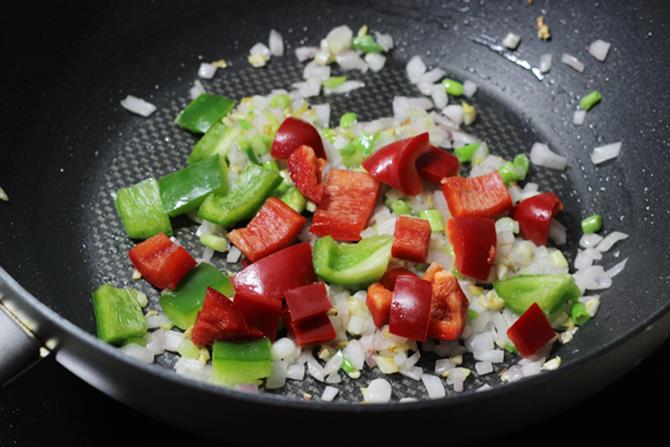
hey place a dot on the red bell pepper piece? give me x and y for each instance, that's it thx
(535, 214)
(449, 306)
(347, 205)
(395, 164)
(484, 196)
(474, 242)
(307, 301)
(293, 133)
(161, 262)
(378, 300)
(274, 227)
(410, 308)
(306, 172)
(220, 320)
(531, 331)
(390, 277)
(437, 164)
(411, 239)
(317, 329)
(260, 313)
(273, 275)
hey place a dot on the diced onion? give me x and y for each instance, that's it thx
(432, 76)
(350, 60)
(578, 117)
(439, 96)
(454, 113)
(296, 372)
(277, 378)
(541, 155)
(138, 106)
(558, 233)
(138, 352)
(233, 255)
(426, 88)
(346, 87)
(375, 61)
(172, 340)
(434, 386)
(384, 40)
(323, 113)
(511, 41)
(609, 241)
(599, 49)
(590, 240)
(197, 89)
(573, 62)
(206, 71)
(469, 88)
(607, 152)
(315, 71)
(283, 349)
(329, 393)
(305, 53)
(483, 368)
(415, 68)
(617, 268)
(492, 356)
(545, 62)
(276, 43)
(355, 354)
(339, 39)
(377, 391)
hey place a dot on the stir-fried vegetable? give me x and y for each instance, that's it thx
(118, 314)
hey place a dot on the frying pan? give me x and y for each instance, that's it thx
(67, 145)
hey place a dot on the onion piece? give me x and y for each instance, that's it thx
(138, 352)
(590, 240)
(259, 55)
(545, 62)
(377, 391)
(346, 87)
(375, 61)
(296, 372)
(434, 386)
(511, 41)
(607, 152)
(432, 76)
(439, 95)
(197, 89)
(558, 233)
(617, 268)
(573, 62)
(483, 368)
(305, 53)
(469, 88)
(233, 255)
(323, 113)
(415, 68)
(206, 71)
(339, 39)
(350, 60)
(454, 113)
(541, 155)
(599, 49)
(578, 117)
(138, 106)
(609, 241)
(384, 40)
(329, 393)
(276, 43)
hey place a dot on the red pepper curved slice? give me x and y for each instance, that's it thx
(395, 164)
(531, 331)
(535, 214)
(293, 133)
(378, 300)
(260, 313)
(484, 196)
(220, 320)
(273, 275)
(411, 239)
(307, 301)
(313, 330)
(274, 227)
(305, 171)
(474, 242)
(347, 205)
(437, 164)
(391, 276)
(449, 306)
(161, 262)
(410, 308)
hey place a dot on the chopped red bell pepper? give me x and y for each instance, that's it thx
(161, 262)
(274, 227)
(260, 312)
(220, 320)
(411, 239)
(293, 133)
(395, 164)
(535, 214)
(437, 164)
(307, 301)
(410, 308)
(390, 277)
(449, 306)
(474, 242)
(531, 331)
(317, 329)
(306, 172)
(347, 205)
(378, 300)
(273, 275)
(484, 196)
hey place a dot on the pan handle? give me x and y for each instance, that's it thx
(19, 349)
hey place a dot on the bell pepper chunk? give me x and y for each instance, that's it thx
(378, 300)
(474, 242)
(118, 315)
(550, 292)
(216, 141)
(307, 301)
(395, 164)
(292, 134)
(449, 305)
(347, 205)
(535, 215)
(531, 332)
(182, 304)
(204, 111)
(391, 276)
(437, 164)
(484, 196)
(237, 363)
(410, 308)
(274, 227)
(219, 320)
(411, 239)
(354, 266)
(243, 198)
(294, 199)
(141, 210)
(305, 171)
(161, 262)
(273, 275)
(185, 189)
(317, 329)
(260, 313)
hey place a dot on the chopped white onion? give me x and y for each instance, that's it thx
(346, 87)
(439, 95)
(590, 240)
(607, 152)
(443, 365)
(355, 354)
(339, 39)
(454, 113)
(138, 352)
(296, 372)
(375, 61)
(334, 363)
(350, 60)
(483, 368)
(377, 391)
(434, 386)
(415, 68)
(592, 278)
(484, 387)
(233, 255)
(189, 367)
(617, 268)
(283, 349)
(492, 356)
(307, 89)
(541, 155)
(206, 71)
(323, 113)
(558, 233)
(611, 239)
(545, 62)
(384, 40)
(573, 62)
(469, 88)
(172, 340)
(315, 71)
(480, 342)
(138, 106)
(197, 89)
(425, 88)
(276, 43)
(511, 41)
(259, 55)
(156, 342)
(432, 76)
(156, 321)
(578, 117)
(599, 49)
(305, 53)
(329, 393)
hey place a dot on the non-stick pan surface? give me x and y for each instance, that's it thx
(69, 145)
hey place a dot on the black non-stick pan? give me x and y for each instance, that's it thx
(67, 144)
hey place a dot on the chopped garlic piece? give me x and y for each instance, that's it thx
(543, 31)
(552, 364)
(3, 195)
(566, 336)
(136, 275)
(220, 63)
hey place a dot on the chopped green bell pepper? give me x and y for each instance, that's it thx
(465, 153)
(141, 210)
(282, 100)
(236, 363)
(590, 100)
(516, 170)
(366, 43)
(347, 119)
(185, 189)
(452, 87)
(434, 218)
(399, 207)
(358, 150)
(205, 110)
(550, 292)
(216, 243)
(243, 198)
(218, 140)
(578, 314)
(294, 199)
(352, 265)
(592, 224)
(118, 315)
(182, 304)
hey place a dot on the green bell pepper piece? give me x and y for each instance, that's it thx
(592, 224)
(550, 292)
(236, 363)
(243, 198)
(358, 150)
(218, 140)
(399, 207)
(185, 189)
(465, 153)
(348, 119)
(283, 101)
(514, 171)
(182, 304)
(205, 110)
(434, 218)
(452, 87)
(141, 210)
(294, 199)
(334, 81)
(118, 315)
(352, 265)
(578, 314)
(366, 43)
